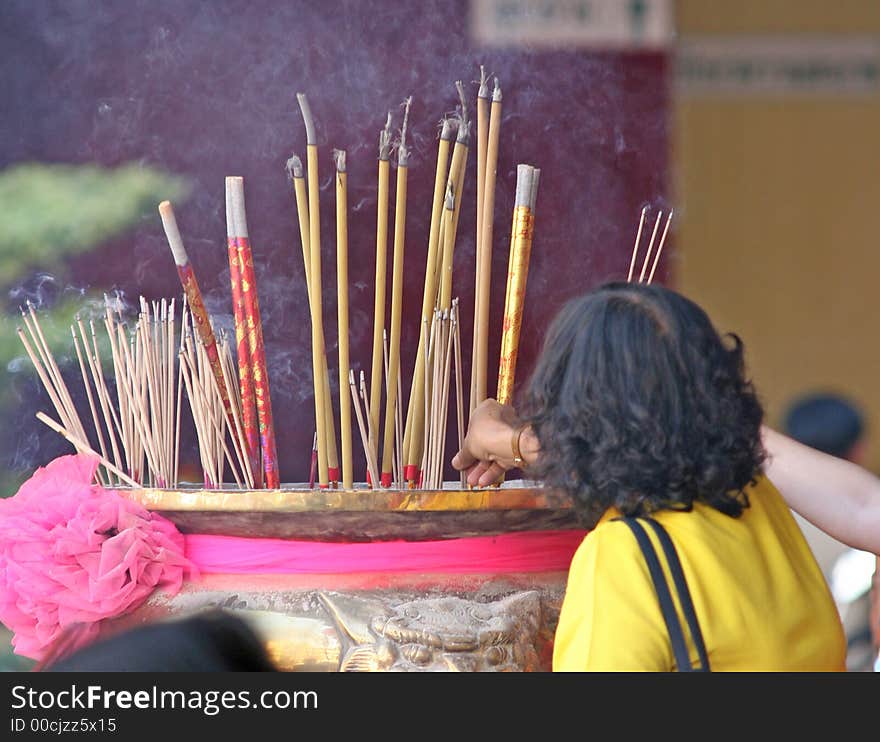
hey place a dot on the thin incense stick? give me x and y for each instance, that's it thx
(635, 252)
(342, 315)
(365, 440)
(83, 447)
(379, 296)
(660, 246)
(650, 246)
(396, 301)
(315, 290)
(459, 392)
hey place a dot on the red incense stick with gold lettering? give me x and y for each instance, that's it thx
(259, 367)
(242, 345)
(196, 304)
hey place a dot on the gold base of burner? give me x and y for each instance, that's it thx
(360, 514)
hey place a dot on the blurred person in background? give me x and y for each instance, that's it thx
(836, 426)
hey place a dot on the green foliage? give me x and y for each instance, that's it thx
(9, 661)
(50, 211)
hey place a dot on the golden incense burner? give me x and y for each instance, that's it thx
(376, 621)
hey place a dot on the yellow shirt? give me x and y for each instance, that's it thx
(759, 595)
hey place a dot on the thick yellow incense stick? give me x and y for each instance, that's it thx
(295, 171)
(482, 146)
(342, 314)
(315, 289)
(396, 303)
(445, 302)
(480, 357)
(526, 194)
(379, 301)
(456, 177)
(415, 408)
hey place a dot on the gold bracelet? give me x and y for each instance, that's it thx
(518, 460)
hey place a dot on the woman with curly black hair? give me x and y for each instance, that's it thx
(643, 414)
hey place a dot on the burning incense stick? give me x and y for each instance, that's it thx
(524, 205)
(457, 171)
(83, 447)
(315, 290)
(259, 367)
(660, 246)
(396, 302)
(381, 269)
(650, 246)
(342, 314)
(295, 172)
(480, 353)
(482, 147)
(415, 409)
(242, 344)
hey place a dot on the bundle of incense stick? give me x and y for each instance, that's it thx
(438, 279)
(47, 369)
(398, 452)
(635, 252)
(143, 365)
(142, 426)
(208, 411)
(442, 362)
(517, 273)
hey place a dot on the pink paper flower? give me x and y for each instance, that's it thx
(73, 553)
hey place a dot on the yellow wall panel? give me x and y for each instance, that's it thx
(778, 207)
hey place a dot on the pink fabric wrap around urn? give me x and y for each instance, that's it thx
(73, 553)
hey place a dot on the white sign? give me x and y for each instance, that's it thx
(772, 65)
(591, 24)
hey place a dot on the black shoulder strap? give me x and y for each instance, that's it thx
(684, 594)
(667, 606)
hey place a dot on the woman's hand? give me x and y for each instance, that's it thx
(487, 451)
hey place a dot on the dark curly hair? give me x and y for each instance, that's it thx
(638, 404)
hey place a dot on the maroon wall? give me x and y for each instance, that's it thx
(207, 89)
